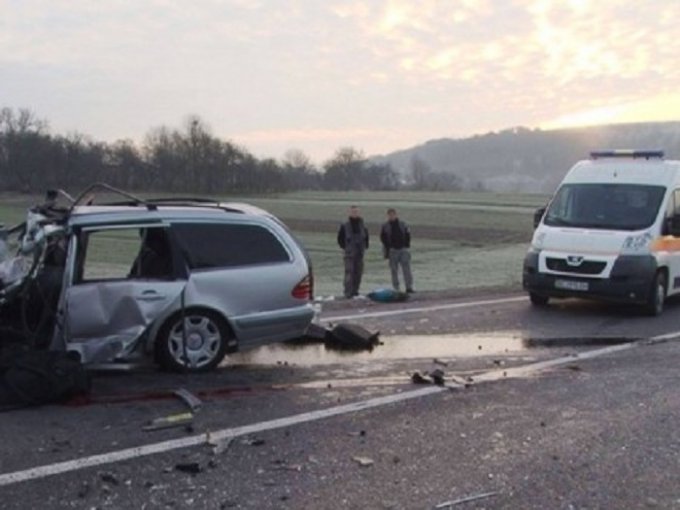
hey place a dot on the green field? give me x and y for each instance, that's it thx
(459, 240)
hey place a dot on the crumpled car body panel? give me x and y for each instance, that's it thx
(102, 315)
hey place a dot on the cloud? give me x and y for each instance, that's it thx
(342, 71)
(662, 107)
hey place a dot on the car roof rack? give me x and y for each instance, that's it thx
(87, 196)
(628, 153)
(154, 203)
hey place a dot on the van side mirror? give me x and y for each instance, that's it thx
(538, 216)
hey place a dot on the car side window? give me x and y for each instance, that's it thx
(128, 253)
(676, 202)
(211, 245)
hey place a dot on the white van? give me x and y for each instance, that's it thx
(611, 231)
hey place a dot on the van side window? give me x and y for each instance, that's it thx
(676, 200)
(228, 245)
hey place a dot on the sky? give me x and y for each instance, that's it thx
(317, 75)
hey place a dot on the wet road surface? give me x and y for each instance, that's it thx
(586, 432)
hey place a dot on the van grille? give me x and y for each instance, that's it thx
(586, 267)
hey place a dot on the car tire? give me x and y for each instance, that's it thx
(207, 335)
(657, 296)
(538, 300)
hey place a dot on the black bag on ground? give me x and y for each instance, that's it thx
(352, 336)
(30, 378)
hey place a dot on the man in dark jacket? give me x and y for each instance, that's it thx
(396, 240)
(353, 239)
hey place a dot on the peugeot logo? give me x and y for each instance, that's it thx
(574, 260)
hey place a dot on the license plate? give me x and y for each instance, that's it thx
(571, 285)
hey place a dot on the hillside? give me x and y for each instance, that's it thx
(529, 160)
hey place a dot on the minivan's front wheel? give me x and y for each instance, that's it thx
(198, 347)
(537, 299)
(657, 296)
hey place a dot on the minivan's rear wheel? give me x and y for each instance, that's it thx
(657, 296)
(199, 348)
(537, 299)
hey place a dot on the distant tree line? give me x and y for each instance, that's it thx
(187, 160)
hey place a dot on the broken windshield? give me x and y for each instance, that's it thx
(605, 206)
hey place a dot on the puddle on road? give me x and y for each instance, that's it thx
(308, 353)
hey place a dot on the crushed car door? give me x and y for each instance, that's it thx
(123, 278)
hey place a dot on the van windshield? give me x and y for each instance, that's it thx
(605, 206)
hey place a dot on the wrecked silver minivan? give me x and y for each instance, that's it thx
(184, 280)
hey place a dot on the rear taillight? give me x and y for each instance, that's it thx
(305, 288)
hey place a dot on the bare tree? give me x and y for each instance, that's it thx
(420, 172)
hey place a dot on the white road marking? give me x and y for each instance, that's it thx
(433, 308)
(166, 446)
(174, 444)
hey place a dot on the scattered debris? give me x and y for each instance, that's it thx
(174, 420)
(107, 477)
(253, 441)
(352, 337)
(316, 332)
(191, 400)
(219, 447)
(418, 378)
(289, 467)
(193, 468)
(438, 377)
(363, 461)
(361, 433)
(449, 504)
(575, 368)
(387, 296)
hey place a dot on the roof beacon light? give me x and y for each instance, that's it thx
(633, 154)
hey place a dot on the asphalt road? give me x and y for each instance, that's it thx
(571, 406)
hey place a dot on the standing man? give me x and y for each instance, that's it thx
(353, 239)
(396, 241)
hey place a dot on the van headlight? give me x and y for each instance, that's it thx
(537, 242)
(636, 244)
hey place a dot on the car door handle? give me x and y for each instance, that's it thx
(150, 295)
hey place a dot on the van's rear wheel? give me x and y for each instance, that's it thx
(657, 296)
(537, 299)
(200, 347)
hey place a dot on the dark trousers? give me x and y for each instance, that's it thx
(354, 268)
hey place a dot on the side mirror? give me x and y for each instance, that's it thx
(538, 216)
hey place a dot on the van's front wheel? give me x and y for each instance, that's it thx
(657, 296)
(199, 346)
(537, 299)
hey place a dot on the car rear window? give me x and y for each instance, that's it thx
(228, 245)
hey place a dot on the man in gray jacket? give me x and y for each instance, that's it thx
(353, 239)
(396, 240)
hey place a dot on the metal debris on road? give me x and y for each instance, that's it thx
(222, 446)
(253, 441)
(363, 461)
(189, 399)
(193, 468)
(449, 504)
(418, 378)
(174, 420)
(438, 377)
